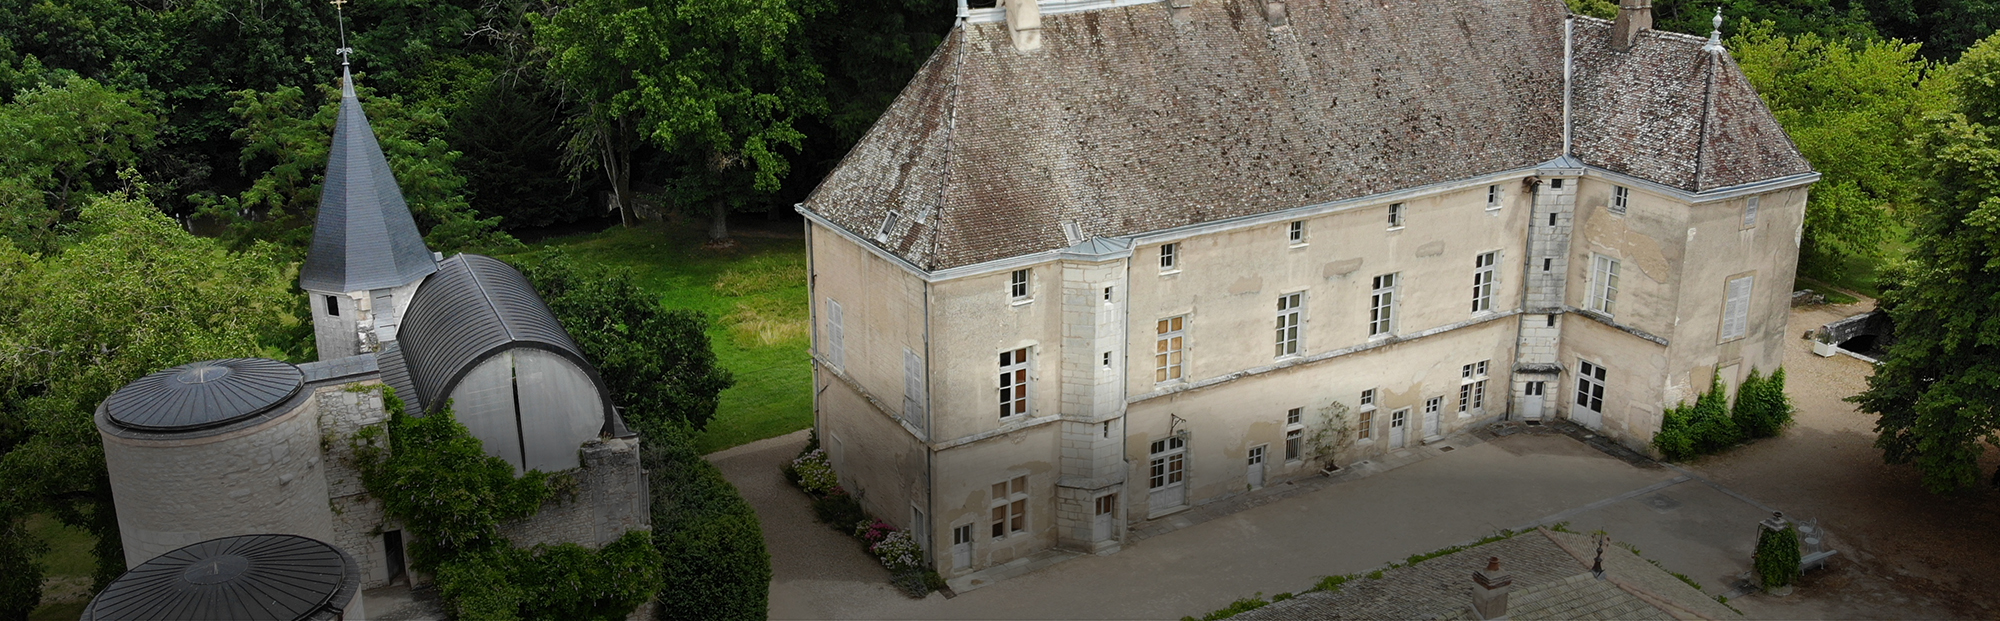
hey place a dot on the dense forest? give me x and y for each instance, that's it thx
(160, 162)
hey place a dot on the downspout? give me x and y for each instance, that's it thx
(812, 318)
(930, 454)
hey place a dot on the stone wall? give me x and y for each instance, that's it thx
(609, 499)
(358, 522)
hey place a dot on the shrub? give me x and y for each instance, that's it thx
(1777, 556)
(716, 565)
(1705, 427)
(899, 551)
(838, 508)
(1762, 407)
(873, 531)
(1675, 438)
(1237, 607)
(911, 581)
(816, 476)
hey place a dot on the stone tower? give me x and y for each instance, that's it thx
(367, 256)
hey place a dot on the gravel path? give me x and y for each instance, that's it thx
(1904, 553)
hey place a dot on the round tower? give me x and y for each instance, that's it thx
(252, 577)
(214, 449)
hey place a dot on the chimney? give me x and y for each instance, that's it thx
(1024, 22)
(1633, 17)
(1489, 591)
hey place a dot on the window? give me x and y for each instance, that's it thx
(1551, 319)
(1013, 383)
(1396, 215)
(1472, 388)
(1169, 462)
(1556, 184)
(1169, 259)
(1295, 434)
(1107, 294)
(961, 535)
(1548, 263)
(1107, 504)
(1482, 281)
(1431, 408)
(1167, 349)
(1621, 198)
(333, 306)
(1368, 399)
(1382, 306)
(1107, 360)
(1292, 416)
(1296, 232)
(1367, 428)
(1552, 218)
(888, 224)
(1603, 283)
(836, 350)
(1288, 324)
(1017, 286)
(1736, 308)
(913, 388)
(1590, 386)
(1493, 197)
(1010, 507)
(1257, 455)
(1750, 212)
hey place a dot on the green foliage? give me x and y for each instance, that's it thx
(1332, 584)
(1601, 9)
(64, 140)
(1777, 556)
(715, 564)
(1234, 608)
(1937, 392)
(1851, 106)
(1762, 407)
(127, 293)
(838, 508)
(1699, 429)
(21, 583)
(658, 362)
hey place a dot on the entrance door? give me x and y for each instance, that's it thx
(1168, 475)
(392, 548)
(1531, 400)
(1431, 408)
(1256, 473)
(1398, 427)
(1589, 409)
(961, 547)
(1107, 507)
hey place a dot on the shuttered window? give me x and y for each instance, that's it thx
(834, 350)
(913, 388)
(1736, 308)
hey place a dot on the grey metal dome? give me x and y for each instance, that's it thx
(204, 394)
(260, 577)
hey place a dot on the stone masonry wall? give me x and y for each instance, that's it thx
(610, 499)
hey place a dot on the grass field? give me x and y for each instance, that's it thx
(69, 564)
(755, 295)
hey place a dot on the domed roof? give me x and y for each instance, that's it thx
(276, 577)
(204, 394)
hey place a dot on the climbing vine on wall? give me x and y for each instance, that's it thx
(431, 474)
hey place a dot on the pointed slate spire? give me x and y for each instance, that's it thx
(365, 237)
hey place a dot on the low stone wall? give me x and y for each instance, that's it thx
(609, 499)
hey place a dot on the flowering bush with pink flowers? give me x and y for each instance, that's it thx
(872, 531)
(899, 551)
(816, 476)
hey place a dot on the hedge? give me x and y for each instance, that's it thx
(716, 565)
(1710, 425)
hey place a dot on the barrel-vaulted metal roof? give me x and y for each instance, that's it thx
(473, 308)
(365, 237)
(201, 395)
(251, 577)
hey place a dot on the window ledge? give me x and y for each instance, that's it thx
(1296, 245)
(1396, 228)
(1493, 207)
(1022, 302)
(1365, 408)
(1171, 272)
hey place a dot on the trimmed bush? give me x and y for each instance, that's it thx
(1762, 407)
(838, 508)
(1705, 427)
(1777, 556)
(716, 565)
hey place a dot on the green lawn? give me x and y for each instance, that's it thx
(755, 295)
(69, 563)
(1859, 274)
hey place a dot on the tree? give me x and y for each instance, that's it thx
(657, 361)
(130, 293)
(1333, 434)
(1850, 106)
(1937, 394)
(717, 84)
(64, 140)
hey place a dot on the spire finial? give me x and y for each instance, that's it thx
(1714, 45)
(340, 23)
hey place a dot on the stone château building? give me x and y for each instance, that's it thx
(1104, 260)
(235, 447)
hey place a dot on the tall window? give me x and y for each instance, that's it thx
(1017, 285)
(1603, 283)
(1013, 383)
(1295, 434)
(1750, 212)
(1169, 463)
(1167, 349)
(1367, 428)
(1493, 197)
(1169, 257)
(1590, 386)
(1010, 507)
(1621, 199)
(913, 388)
(1396, 215)
(1482, 281)
(1288, 324)
(835, 348)
(1472, 388)
(1296, 232)
(1736, 308)
(1382, 306)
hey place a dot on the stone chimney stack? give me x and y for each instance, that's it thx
(1633, 16)
(1489, 591)
(1024, 22)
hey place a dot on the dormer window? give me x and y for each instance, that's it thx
(888, 224)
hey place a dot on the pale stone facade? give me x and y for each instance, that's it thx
(1178, 339)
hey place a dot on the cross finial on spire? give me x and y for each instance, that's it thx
(1714, 45)
(340, 23)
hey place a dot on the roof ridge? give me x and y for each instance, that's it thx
(484, 295)
(1707, 115)
(950, 132)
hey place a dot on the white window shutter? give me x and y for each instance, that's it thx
(1736, 308)
(836, 350)
(913, 387)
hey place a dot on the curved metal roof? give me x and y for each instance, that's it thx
(263, 577)
(472, 308)
(365, 237)
(204, 394)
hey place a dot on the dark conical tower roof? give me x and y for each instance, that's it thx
(365, 238)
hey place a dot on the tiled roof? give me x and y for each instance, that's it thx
(364, 237)
(1129, 120)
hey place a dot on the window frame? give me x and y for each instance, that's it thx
(1750, 206)
(1382, 306)
(1621, 200)
(333, 306)
(1365, 427)
(1166, 463)
(1494, 196)
(1485, 271)
(1397, 213)
(1017, 374)
(1736, 310)
(1007, 507)
(1603, 284)
(889, 222)
(1170, 350)
(1170, 258)
(1295, 431)
(835, 345)
(1020, 285)
(1585, 381)
(1295, 233)
(1290, 333)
